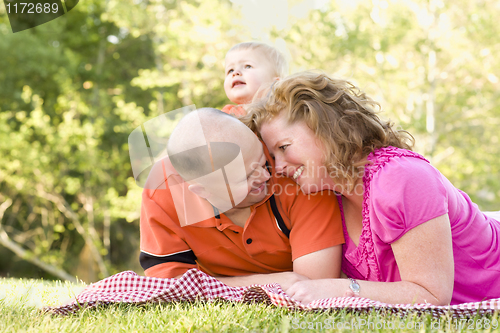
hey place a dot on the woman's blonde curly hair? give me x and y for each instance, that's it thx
(339, 113)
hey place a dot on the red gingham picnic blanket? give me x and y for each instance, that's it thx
(128, 287)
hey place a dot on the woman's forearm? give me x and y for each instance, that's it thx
(402, 292)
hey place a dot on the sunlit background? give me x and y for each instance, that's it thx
(73, 89)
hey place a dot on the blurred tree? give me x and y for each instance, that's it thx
(71, 91)
(65, 122)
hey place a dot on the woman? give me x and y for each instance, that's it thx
(411, 237)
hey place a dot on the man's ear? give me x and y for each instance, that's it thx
(199, 190)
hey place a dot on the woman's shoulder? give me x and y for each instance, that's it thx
(403, 192)
(405, 181)
(385, 155)
(398, 165)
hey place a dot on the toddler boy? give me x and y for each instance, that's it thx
(248, 66)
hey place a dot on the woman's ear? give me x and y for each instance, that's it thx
(199, 190)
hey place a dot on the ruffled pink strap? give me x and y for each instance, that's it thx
(377, 160)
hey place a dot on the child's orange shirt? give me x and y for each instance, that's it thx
(235, 110)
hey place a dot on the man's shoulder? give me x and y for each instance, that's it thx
(284, 185)
(170, 193)
(161, 174)
(290, 194)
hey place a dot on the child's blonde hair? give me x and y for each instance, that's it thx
(273, 54)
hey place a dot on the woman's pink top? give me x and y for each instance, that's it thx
(402, 191)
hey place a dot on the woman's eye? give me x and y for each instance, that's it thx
(283, 147)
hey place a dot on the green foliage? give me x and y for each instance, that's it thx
(71, 91)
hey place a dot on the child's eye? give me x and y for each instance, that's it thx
(229, 71)
(248, 66)
(283, 147)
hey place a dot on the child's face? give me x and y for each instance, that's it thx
(246, 71)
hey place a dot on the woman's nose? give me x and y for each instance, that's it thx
(280, 165)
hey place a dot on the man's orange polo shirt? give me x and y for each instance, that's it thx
(221, 248)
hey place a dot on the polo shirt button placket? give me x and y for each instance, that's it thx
(219, 226)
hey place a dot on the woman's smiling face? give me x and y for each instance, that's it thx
(298, 153)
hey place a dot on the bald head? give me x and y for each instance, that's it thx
(206, 140)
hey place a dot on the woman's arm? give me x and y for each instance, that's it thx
(425, 260)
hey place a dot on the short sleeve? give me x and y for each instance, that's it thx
(405, 193)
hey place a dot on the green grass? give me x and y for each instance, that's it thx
(21, 300)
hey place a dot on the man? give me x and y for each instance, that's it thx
(212, 205)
